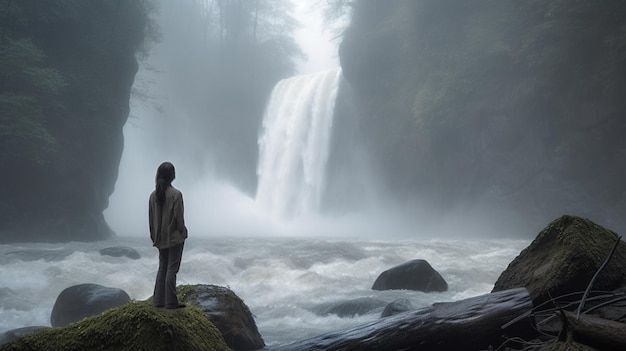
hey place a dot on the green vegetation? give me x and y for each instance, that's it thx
(137, 326)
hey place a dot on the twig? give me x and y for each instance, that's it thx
(595, 277)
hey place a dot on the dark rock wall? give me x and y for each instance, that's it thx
(494, 105)
(92, 45)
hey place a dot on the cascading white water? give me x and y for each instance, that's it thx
(294, 143)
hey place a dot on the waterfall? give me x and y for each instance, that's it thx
(294, 143)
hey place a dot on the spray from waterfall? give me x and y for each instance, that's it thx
(294, 143)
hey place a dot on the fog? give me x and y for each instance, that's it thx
(172, 119)
(160, 128)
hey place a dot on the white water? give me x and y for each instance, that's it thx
(294, 143)
(278, 278)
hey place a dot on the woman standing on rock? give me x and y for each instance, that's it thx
(168, 233)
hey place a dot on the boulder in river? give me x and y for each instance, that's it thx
(227, 312)
(84, 300)
(120, 251)
(413, 275)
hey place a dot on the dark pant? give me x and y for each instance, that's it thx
(165, 287)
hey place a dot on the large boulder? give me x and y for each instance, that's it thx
(349, 308)
(413, 275)
(84, 300)
(563, 259)
(227, 312)
(134, 326)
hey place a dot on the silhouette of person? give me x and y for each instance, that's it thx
(168, 234)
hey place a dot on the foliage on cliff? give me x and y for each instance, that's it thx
(514, 103)
(66, 68)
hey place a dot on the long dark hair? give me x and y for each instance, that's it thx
(164, 176)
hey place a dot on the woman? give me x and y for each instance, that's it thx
(168, 233)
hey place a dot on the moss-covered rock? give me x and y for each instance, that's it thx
(563, 259)
(227, 312)
(135, 326)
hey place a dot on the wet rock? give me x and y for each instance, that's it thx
(121, 251)
(395, 307)
(413, 275)
(563, 259)
(84, 300)
(227, 312)
(349, 308)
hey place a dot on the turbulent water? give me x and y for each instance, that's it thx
(280, 279)
(294, 143)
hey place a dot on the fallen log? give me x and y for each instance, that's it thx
(470, 324)
(597, 332)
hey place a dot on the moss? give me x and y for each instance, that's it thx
(135, 326)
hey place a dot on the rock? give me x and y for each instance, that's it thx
(63, 198)
(227, 312)
(413, 275)
(133, 326)
(563, 259)
(13, 334)
(121, 251)
(349, 308)
(84, 300)
(397, 306)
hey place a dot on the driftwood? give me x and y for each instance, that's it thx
(597, 332)
(470, 324)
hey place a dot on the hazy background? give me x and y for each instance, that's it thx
(214, 206)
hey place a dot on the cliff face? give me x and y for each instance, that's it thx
(508, 105)
(59, 171)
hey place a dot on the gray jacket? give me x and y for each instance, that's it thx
(167, 222)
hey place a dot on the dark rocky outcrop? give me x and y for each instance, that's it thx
(77, 68)
(413, 275)
(121, 251)
(84, 300)
(227, 312)
(563, 259)
(349, 308)
(134, 326)
(397, 306)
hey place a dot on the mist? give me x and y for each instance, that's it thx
(202, 94)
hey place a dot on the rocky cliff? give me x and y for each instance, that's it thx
(67, 68)
(490, 106)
